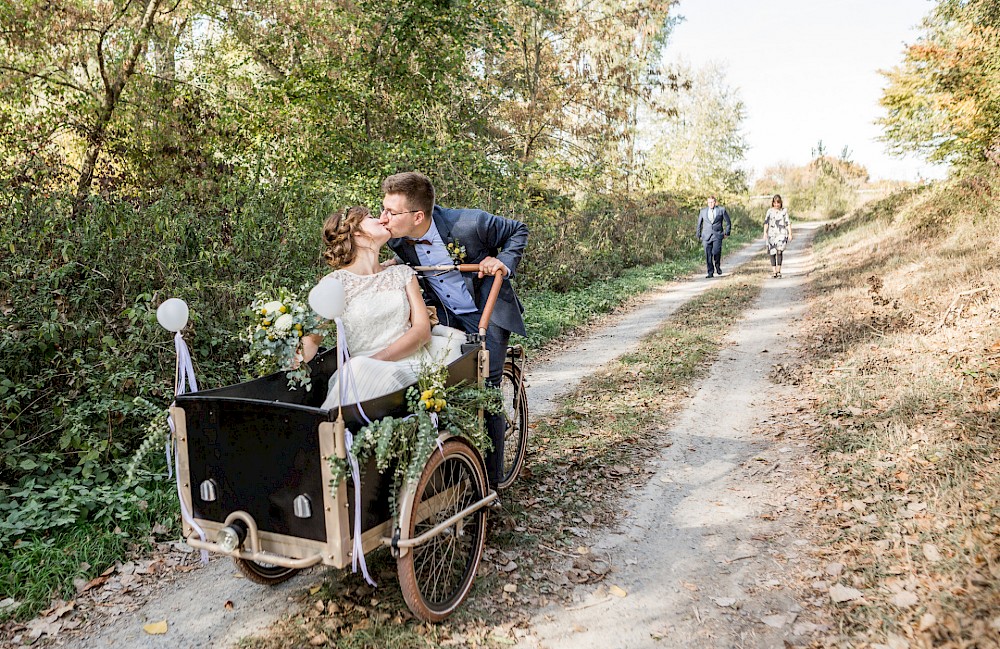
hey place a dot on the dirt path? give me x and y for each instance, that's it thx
(556, 374)
(701, 557)
(214, 606)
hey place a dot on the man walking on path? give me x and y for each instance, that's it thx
(711, 233)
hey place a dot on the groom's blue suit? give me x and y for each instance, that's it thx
(482, 235)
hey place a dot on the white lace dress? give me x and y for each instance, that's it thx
(377, 314)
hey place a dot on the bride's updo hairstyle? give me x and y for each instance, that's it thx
(338, 236)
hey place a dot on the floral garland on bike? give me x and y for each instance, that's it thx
(406, 443)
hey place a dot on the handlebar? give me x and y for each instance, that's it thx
(491, 300)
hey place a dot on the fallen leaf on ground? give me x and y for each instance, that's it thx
(44, 626)
(840, 593)
(905, 599)
(84, 586)
(617, 591)
(155, 628)
(315, 589)
(927, 621)
(775, 621)
(724, 602)
(931, 552)
(319, 640)
(510, 588)
(61, 609)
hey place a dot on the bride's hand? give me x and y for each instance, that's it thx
(308, 348)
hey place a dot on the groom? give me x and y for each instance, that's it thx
(711, 233)
(425, 234)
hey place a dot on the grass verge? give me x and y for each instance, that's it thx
(906, 324)
(36, 571)
(581, 460)
(548, 314)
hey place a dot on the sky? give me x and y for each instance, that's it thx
(807, 70)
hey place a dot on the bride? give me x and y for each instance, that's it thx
(386, 324)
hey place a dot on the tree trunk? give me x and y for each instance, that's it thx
(112, 93)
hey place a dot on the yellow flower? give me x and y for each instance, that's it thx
(266, 323)
(283, 309)
(427, 395)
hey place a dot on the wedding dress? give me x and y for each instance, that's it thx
(377, 314)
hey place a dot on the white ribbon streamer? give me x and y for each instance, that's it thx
(183, 377)
(346, 381)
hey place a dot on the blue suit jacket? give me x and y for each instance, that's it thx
(710, 225)
(483, 235)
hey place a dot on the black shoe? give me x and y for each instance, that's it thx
(719, 272)
(709, 276)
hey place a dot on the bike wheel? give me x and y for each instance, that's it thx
(435, 577)
(264, 573)
(515, 406)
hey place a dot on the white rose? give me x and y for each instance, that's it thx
(272, 307)
(284, 322)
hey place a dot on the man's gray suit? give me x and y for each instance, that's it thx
(713, 226)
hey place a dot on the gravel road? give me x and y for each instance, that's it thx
(701, 557)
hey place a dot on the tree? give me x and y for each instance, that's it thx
(570, 84)
(701, 148)
(826, 186)
(941, 101)
(73, 61)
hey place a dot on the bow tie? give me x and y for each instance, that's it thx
(413, 242)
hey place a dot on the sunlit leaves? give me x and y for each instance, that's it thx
(942, 100)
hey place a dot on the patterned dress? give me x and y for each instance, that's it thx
(377, 314)
(778, 229)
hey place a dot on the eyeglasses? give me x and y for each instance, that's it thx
(386, 210)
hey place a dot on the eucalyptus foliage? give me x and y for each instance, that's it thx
(404, 444)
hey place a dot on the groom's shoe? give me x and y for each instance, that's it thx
(718, 271)
(709, 276)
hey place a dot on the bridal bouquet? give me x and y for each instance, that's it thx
(275, 336)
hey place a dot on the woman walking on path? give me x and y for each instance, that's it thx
(777, 233)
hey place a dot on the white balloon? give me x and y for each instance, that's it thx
(172, 314)
(327, 298)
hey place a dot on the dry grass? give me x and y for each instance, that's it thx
(907, 364)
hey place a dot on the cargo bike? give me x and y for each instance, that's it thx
(254, 479)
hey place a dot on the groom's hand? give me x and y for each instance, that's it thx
(490, 266)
